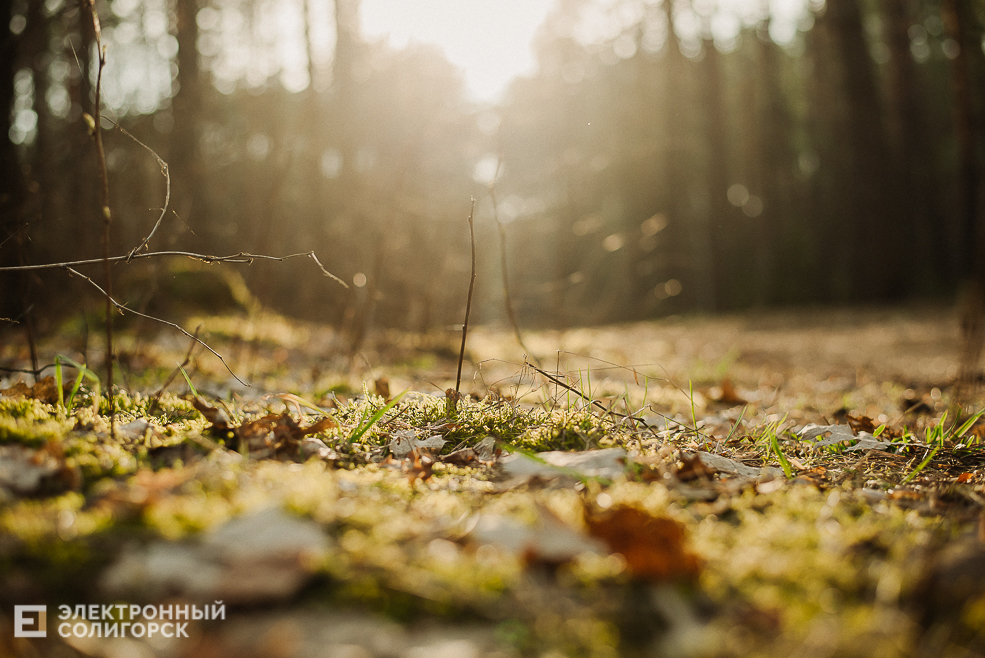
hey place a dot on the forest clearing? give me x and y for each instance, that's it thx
(717, 390)
(778, 483)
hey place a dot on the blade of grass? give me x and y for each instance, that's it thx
(734, 427)
(921, 466)
(958, 433)
(784, 464)
(191, 387)
(362, 428)
(58, 383)
(84, 372)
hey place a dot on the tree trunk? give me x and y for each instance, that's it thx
(11, 182)
(968, 79)
(190, 201)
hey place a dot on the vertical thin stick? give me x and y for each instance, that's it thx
(507, 300)
(468, 304)
(107, 216)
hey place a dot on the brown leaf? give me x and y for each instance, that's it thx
(418, 466)
(463, 457)
(215, 415)
(692, 468)
(653, 546)
(729, 395)
(44, 390)
(382, 386)
(325, 423)
(860, 424)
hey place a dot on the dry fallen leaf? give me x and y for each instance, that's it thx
(653, 546)
(382, 387)
(44, 390)
(728, 395)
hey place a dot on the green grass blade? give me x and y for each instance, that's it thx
(191, 387)
(84, 373)
(922, 466)
(784, 464)
(58, 383)
(362, 428)
(961, 431)
(734, 427)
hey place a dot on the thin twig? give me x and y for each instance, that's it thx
(97, 134)
(468, 303)
(125, 309)
(167, 191)
(11, 236)
(188, 357)
(241, 257)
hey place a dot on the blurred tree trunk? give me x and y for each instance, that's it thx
(190, 201)
(916, 186)
(347, 54)
(718, 222)
(869, 233)
(964, 23)
(85, 204)
(686, 229)
(11, 181)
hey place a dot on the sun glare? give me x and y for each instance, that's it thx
(489, 41)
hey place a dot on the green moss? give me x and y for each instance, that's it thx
(31, 422)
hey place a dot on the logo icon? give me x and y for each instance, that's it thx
(30, 620)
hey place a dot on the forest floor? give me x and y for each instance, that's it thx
(784, 483)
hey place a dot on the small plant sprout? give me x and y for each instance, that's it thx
(83, 373)
(365, 424)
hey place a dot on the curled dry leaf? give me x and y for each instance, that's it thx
(278, 433)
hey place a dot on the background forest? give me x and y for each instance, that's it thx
(666, 157)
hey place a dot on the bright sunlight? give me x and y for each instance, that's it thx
(489, 41)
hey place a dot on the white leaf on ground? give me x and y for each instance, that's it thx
(548, 540)
(22, 470)
(404, 441)
(485, 450)
(432, 443)
(838, 433)
(841, 433)
(134, 430)
(868, 442)
(311, 447)
(732, 467)
(607, 463)
(263, 556)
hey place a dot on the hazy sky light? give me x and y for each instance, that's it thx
(488, 39)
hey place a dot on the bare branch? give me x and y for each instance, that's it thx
(167, 193)
(241, 257)
(468, 304)
(124, 309)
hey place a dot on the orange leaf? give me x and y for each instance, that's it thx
(653, 546)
